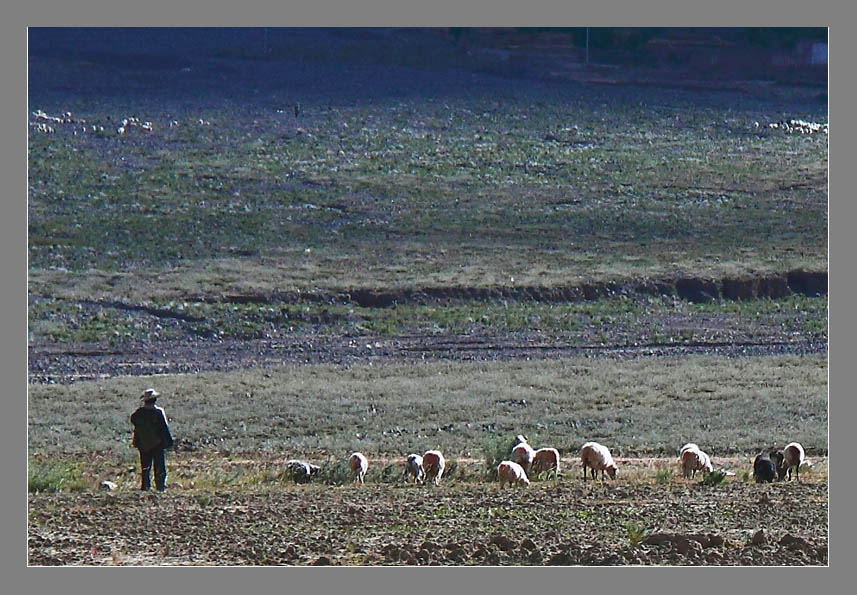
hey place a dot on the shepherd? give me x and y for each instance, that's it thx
(151, 437)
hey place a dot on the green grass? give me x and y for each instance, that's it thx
(55, 476)
(642, 319)
(713, 478)
(460, 192)
(639, 407)
(664, 476)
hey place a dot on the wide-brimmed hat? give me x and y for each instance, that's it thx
(150, 394)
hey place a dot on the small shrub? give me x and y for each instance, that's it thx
(636, 533)
(55, 476)
(338, 473)
(495, 450)
(664, 476)
(746, 476)
(451, 470)
(713, 478)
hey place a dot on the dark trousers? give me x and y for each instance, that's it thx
(158, 457)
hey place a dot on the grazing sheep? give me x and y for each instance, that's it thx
(545, 460)
(693, 459)
(523, 453)
(433, 465)
(512, 473)
(302, 471)
(598, 458)
(688, 446)
(777, 457)
(764, 469)
(792, 456)
(414, 466)
(358, 463)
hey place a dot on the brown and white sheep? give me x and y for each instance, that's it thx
(598, 458)
(545, 460)
(433, 465)
(414, 466)
(694, 459)
(523, 453)
(359, 464)
(792, 456)
(512, 473)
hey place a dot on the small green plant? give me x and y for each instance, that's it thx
(54, 476)
(713, 478)
(495, 450)
(337, 473)
(636, 533)
(664, 476)
(746, 476)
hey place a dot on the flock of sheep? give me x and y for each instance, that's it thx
(525, 461)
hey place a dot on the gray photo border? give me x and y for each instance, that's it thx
(19, 578)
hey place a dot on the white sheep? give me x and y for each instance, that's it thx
(433, 465)
(522, 453)
(693, 459)
(358, 463)
(414, 466)
(793, 456)
(545, 460)
(512, 473)
(598, 458)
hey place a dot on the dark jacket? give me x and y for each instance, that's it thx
(150, 429)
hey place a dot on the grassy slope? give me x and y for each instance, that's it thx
(641, 407)
(540, 185)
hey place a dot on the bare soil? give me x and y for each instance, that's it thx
(568, 522)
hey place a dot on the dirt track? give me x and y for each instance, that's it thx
(66, 364)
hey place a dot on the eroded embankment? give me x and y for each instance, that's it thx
(694, 289)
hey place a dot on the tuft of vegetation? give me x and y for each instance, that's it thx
(55, 476)
(714, 478)
(636, 533)
(664, 476)
(495, 450)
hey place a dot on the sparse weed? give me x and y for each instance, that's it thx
(714, 478)
(664, 476)
(55, 476)
(495, 450)
(636, 533)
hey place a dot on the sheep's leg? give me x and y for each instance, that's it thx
(584, 471)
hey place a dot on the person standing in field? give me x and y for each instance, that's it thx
(151, 437)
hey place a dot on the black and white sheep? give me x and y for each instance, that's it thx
(302, 471)
(414, 467)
